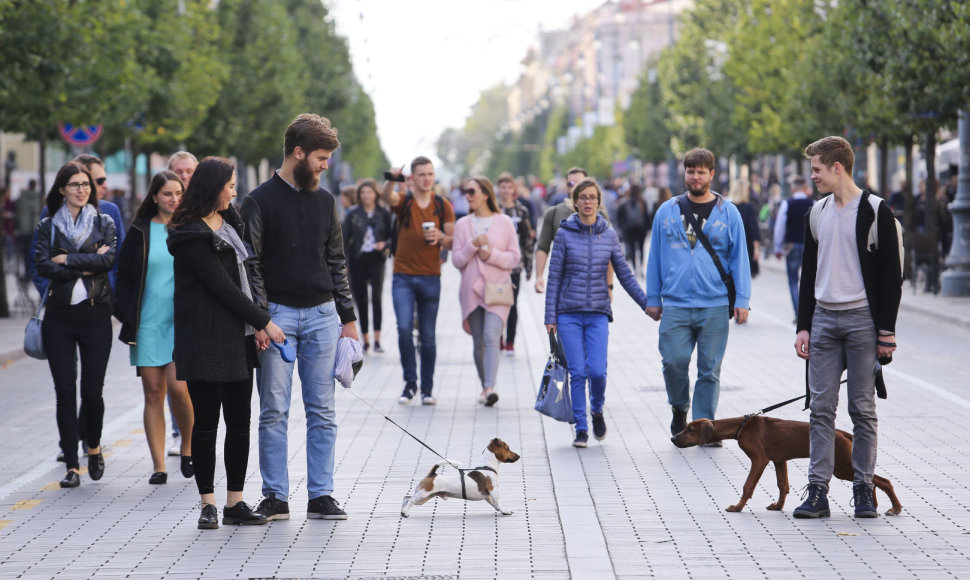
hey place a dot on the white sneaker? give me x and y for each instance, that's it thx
(176, 449)
(428, 400)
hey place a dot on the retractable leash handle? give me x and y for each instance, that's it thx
(287, 352)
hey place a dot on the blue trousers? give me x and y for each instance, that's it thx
(793, 262)
(680, 330)
(584, 337)
(419, 294)
(313, 332)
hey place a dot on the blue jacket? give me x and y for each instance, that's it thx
(577, 269)
(678, 275)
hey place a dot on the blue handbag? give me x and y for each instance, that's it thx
(554, 398)
(34, 333)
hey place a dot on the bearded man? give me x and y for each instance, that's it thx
(295, 238)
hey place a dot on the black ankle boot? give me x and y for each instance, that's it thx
(95, 466)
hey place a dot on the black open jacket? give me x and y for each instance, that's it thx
(211, 310)
(355, 226)
(130, 283)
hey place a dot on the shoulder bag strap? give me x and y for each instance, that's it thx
(702, 237)
(43, 299)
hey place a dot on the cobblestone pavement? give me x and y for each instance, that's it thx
(632, 506)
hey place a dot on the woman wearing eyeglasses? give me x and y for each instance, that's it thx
(578, 301)
(75, 250)
(485, 249)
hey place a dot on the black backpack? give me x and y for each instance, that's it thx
(405, 219)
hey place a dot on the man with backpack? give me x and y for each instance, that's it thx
(789, 235)
(849, 297)
(426, 222)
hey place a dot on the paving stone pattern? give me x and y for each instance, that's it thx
(632, 506)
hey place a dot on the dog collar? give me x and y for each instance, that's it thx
(741, 426)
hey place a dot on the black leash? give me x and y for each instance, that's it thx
(461, 470)
(806, 395)
(371, 407)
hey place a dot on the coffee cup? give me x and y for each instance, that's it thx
(427, 227)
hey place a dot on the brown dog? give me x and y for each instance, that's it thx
(765, 439)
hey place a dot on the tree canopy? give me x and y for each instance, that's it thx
(220, 78)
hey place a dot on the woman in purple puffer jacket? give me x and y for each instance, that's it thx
(578, 301)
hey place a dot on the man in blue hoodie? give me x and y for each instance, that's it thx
(685, 287)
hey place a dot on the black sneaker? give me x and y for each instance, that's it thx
(816, 503)
(599, 426)
(274, 509)
(582, 439)
(377, 346)
(209, 520)
(242, 514)
(324, 508)
(864, 502)
(410, 390)
(679, 422)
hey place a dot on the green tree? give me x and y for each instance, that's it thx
(645, 125)
(266, 89)
(695, 89)
(764, 48)
(66, 62)
(332, 89)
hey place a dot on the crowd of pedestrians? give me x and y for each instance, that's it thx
(202, 290)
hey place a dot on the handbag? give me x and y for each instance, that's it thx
(33, 336)
(554, 399)
(499, 294)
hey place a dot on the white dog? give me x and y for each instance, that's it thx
(473, 484)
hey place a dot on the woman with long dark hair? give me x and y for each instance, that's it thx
(367, 234)
(75, 249)
(216, 316)
(486, 250)
(144, 303)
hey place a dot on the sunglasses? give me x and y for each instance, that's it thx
(570, 183)
(101, 180)
(469, 191)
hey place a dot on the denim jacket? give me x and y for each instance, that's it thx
(580, 257)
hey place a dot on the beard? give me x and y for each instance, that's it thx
(304, 176)
(698, 191)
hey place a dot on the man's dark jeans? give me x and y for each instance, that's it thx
(416, 294)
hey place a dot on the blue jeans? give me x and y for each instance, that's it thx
(680, 330)
(584, 337)
(313, 332)
(416, 294)
(793, 262)
(842, 339)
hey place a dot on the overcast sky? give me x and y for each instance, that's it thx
(424, 62)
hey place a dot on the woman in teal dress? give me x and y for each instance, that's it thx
(144, 303)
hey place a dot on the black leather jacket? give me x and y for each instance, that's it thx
(355, 226)
(79, 260)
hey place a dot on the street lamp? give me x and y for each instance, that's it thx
(955, 281)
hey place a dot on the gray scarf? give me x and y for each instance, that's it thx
(229, 234)
(76, 231)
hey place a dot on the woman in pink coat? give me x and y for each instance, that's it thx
(486, 250)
